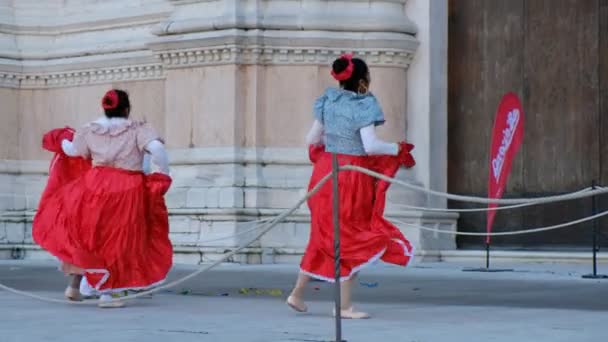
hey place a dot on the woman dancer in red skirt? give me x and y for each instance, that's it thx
(108, 223)
(345, 121)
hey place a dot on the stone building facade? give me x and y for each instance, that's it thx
(230, 84)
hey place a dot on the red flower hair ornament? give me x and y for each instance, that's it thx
(346, 73)
(110, 100)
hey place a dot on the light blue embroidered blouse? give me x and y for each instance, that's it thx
(343, 113)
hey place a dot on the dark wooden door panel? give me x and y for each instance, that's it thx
(554, 55)
(561, 73)
(485, 58)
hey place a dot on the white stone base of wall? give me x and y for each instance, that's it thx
(201, 236)
(216, 194)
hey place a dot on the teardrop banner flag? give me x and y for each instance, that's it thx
(507, 137)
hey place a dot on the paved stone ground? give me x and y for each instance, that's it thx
(426, 303)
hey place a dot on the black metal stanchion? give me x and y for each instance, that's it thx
(336, 219)
(487, 255)
(595, 247)
(487, 268)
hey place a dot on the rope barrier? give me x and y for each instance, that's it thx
(516, 232)
(239, 233)
(466, 210)
(265, 229)
(269, 224)
(474, 199)
(472, 210)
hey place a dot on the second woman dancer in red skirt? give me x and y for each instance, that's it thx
(345, 121)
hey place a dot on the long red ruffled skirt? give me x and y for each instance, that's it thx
(365, 235)
(112, 224)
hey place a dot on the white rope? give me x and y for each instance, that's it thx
(516, 232)
(257, 226)
(474, 199)
(264, 229)
(472, 210)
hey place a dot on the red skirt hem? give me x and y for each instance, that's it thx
(353, 272)
(112, 224)
(366, 236)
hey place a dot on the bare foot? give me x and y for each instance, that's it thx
(73, 294)
(350, 313)
(297, 304)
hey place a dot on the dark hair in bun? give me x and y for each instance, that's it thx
(115, 103)
(360, 72)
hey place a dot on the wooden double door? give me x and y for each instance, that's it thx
(554, 55)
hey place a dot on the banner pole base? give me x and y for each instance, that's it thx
(595, 276)
(487, 268)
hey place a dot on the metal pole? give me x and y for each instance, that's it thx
(594, 211)
(594, 275)
(487, 255)
(336, 219)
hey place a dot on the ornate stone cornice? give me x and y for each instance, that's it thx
(277, 55)
(269, 47)
(80, 77)
(10, 80)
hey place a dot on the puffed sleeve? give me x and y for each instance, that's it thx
(146, 134)
(79, 142)
(369, 112)
(319, 108)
